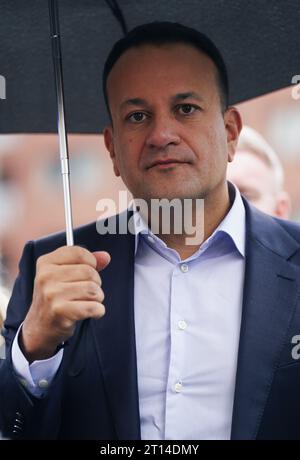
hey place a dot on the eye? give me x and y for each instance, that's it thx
(187, 109)
(137, 117)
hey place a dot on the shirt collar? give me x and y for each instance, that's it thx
(233, 224)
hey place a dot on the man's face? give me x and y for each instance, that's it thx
(169, 138)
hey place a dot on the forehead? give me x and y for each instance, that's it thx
(168, 67)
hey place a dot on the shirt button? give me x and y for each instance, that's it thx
(43, 383)
(184, 268)
(178, 387)
(182, 325)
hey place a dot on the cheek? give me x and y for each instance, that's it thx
(211, 149)
(218, 148)
(127, 158)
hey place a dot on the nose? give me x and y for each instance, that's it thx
(162, 133)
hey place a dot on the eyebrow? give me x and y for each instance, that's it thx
(135, 101)
(187, 95)
(138, 101)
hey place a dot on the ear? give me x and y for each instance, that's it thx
(283, 205)
(233, 125)
(109, 144)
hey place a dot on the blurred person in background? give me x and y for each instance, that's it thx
(258, 173)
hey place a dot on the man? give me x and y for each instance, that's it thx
(196, 341)
(258, 174)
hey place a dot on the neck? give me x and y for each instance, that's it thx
(204, 221)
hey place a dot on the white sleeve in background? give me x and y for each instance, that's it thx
(37, 376)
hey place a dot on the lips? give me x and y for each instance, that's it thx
(165, 162)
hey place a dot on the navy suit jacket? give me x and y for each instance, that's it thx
(95, 394)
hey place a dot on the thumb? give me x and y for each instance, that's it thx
(102, 258)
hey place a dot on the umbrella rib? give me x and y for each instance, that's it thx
(118, 13)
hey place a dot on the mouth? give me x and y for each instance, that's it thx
(166, 163)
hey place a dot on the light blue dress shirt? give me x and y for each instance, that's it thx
(187, 322)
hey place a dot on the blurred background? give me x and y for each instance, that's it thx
(31, 198)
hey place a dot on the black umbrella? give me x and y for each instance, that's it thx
(259, 39)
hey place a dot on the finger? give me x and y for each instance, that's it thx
(79, 310)
(68, 255)
(70, 273)
(103, 259)
(81, 290)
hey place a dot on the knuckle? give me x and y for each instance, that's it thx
(95, 310)
(89, 310)
(82, 255)
(66, 323)
(39, 281)
(61, 311)
(92, 289)
(40, 260)
(57, 309)
(48, 294)
(42, 278)
(89, 272)
(101, 295)
(60, 318)
(100, 310)
(96, 277)
(78, 251)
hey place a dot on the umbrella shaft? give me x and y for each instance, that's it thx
(64, 159)
(68, 209)
(63, 144)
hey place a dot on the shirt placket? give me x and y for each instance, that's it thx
(178, 334)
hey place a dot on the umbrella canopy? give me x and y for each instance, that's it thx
(259, 41)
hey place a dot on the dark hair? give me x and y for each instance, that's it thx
(159, 33)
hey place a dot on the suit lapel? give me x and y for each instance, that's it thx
(115, 336)
(270, 294)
